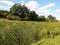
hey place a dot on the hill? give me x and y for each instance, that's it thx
(29, 33)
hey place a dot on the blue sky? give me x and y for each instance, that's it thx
(42, 7)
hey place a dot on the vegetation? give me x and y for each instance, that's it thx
(32, 29)
(22, 13)
(3, 13)
(51, 18)
(29, 33)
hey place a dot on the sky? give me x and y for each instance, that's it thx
(41, 7)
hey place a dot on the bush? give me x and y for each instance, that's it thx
(41, 18)
(2, 15)
(9, 17)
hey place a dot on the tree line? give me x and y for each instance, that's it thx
(24, 14)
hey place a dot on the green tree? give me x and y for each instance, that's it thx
(18, 10)
(24, 12)
(33, 16)
(15, 9)
(3, 13)
(41, 18)
(51, 18)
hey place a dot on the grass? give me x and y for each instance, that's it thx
(49, 41)
(13, 32)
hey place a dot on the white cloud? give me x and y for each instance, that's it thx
(34, 5)
(58, 11)
(1, 6)
(4, 8)
(58, 14)
(48, 6)
(46, 9)
(7, 2)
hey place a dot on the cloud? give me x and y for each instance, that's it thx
(57, 11)
(46, 9)
(4, 8)
(1, 6)
(48, 6)
(32, 5)
(35, 6)
(7, 2)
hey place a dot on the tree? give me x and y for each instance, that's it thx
(18, 10)
(51, 18)
(41, 18)
(2, 15)
(4, 12)
(24, 12)
(15, 9)
(33, 16)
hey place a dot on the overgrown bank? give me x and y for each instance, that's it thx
(26, 33)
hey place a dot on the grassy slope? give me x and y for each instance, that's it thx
(49, 41)
(8, 29)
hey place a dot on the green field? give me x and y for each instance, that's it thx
(13, 32)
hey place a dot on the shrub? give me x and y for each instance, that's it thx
(2, 15)
(9, 17)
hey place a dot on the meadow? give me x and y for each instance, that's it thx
(29, 32)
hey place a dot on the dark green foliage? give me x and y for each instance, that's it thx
(41, 18)
(18, 10)
(15, 9)
(21, 12)
(51, 18)
(2, 15)
(3, 11)
(25, 14)
(33, 16)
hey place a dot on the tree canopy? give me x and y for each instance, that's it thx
(23, 13)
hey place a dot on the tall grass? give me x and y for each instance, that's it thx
(27, 32)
